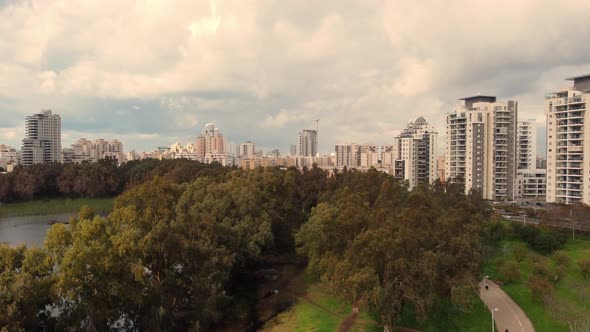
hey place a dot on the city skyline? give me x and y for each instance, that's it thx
(263, 71)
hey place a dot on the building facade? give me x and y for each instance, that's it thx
(9, 157)
(481, 146)
(308, 143)
(526, 146)
(42, 142)
(93, 151)
(414, 153)
(211, 146)
(247, 150)
(568, 143)
(531, 184)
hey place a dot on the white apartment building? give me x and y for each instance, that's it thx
(344, 155)
(87, 150)
(531, 184)
(42, 142)
(369, 156)
(414, 153)
(8, 157)
(481, 146)
(526, 146)
(308, 143)
(568, 143)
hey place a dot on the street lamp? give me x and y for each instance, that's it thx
(493, 327)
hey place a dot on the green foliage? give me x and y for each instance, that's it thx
(184, 237)
(544, 241)
(510, 272)
(55, 206)
(584, 266)
(393, 249)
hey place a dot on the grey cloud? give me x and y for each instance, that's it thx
(262, 70)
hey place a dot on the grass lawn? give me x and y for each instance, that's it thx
(55, 206)
(566, 292)
(450, 318)
(316, 310)
(319, 311)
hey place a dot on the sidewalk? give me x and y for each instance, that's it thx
(509, 315)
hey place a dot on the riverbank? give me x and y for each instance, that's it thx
(55, 206)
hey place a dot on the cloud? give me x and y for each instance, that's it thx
(262, 70)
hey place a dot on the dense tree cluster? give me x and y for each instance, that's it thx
(100, 179)
(389, 248)
(176, 247)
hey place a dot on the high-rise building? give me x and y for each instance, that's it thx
(308, 143)
(42, 142)
(293, 149)
(531, 184)
(211, 146)
(414, 153)
(247, 150)
(526, 144)
(568, 143)
(369, 156)
(481, 146)
(344, 156)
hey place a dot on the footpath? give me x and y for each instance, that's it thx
(509, 315)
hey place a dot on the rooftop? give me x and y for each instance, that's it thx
(573, 78)
(478, 97)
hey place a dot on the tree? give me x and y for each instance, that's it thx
(584, 266)
(541, 289)
(520, 253)
(561, 259)
(510, 272)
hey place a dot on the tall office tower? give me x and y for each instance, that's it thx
(568, 143)
(247, 150)
(481, 146)
(308, 143)
(211, 146)
(42, 142)
(293, 149)
(414, 153)
(526, 145)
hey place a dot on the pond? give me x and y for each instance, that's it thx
(30, 230)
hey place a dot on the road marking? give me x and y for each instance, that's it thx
(514, 313)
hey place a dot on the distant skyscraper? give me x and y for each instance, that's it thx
(247, 150)
(568, 140)
(344, 156)
(42, 142)
(308, 143)
(210, 146)
(293, 149)
(481, 144)
(526, 145)
(414, 153)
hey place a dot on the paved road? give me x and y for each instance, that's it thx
(509, 315)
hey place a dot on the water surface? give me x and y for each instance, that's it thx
(30, 231)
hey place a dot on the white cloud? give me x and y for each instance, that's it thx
(364, 67)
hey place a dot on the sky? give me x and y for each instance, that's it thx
(152, 73)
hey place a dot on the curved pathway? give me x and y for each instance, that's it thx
(509, 315)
